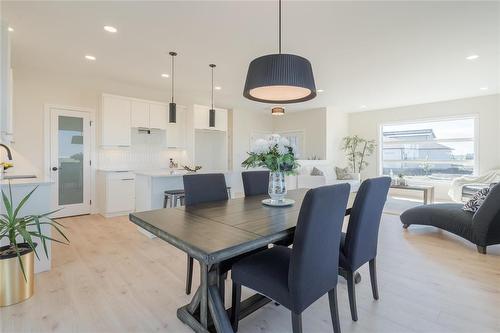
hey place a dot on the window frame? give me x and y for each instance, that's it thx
(475, 140)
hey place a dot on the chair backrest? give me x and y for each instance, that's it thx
(362, 232)
(486, 221)
(200, 188)
(255, 182)
(313, 267)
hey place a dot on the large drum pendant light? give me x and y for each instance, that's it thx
(280, 78)
(172, 107)
(211, 112)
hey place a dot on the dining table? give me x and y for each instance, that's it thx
(215, 232)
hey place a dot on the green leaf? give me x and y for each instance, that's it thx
(7, 204)
(23, 201)
(20, 262)
(36, 220)
(27, 237)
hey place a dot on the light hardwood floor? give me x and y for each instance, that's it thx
(113, 279)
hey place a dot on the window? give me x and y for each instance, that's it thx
(438, 149)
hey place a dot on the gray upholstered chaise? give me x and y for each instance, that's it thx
(481, 228)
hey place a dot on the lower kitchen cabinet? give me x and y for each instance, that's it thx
(116, 193)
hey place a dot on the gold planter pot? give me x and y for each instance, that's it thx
(13, 287)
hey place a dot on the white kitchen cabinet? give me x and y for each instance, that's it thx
(139, 116)
(117, 193)
(158, 116)
(201, 118)
(115, 121)
(176, 132)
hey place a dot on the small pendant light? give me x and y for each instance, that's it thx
(280, 78)
(278, 111)
(211, 112)
(172, 107)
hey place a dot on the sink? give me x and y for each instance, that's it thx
(18, 176)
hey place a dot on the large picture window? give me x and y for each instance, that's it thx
(440, 148)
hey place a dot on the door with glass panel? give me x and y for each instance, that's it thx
(70, 161)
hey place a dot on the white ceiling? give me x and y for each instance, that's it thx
(378, 54)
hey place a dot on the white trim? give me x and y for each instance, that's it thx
(47, 142)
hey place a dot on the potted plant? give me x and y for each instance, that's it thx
(357, 150)
(17, 258)
(275, 154)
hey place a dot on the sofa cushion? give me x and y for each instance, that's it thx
(477, 200)
(317, 172)
(343, 174)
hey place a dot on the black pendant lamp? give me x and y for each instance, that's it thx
(280, 78)
(211, 112)
(172, 107)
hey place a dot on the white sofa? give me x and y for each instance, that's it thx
(304, 179)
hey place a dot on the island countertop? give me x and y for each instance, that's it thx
(173, 173)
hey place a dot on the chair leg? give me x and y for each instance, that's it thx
(334, 309)
(405, 226)
(222, 286)
(373, 278)
(189, 274)
(235, 306)
(351, 290)
(481, 249)
(296, 323)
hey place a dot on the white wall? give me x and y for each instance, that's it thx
(312, 123)
(487, 108)
(337, 127)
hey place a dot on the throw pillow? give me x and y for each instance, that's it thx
(316, 172)
(477, 200)
(343, 174)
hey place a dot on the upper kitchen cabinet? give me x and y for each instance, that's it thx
(202, 117)
(139, 114)
(115, 121)
(176, 132)
(158, 115)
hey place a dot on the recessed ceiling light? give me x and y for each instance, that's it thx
(217, 87)
(90, 57)
(472, 57)
(10, 29)
(110, 28)
(362, 107)
(319, 90)
(165, 75)
(483, 88)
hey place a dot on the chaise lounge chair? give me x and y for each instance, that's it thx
(481, 228)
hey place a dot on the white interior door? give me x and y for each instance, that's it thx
(70, 161)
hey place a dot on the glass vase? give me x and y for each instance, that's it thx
(277, 186)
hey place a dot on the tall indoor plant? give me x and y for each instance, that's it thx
(357, 150)
(275, 154)
(17, 258)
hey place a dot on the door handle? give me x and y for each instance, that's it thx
(54, 169)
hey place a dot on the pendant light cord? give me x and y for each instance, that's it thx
(279, 26)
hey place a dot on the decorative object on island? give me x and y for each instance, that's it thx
(172, 107)
(357, 150)
(189, 169)
(280, 78)
(17, 258)
(401, 181)
(211, 112)
(278, 111)
(276, 154)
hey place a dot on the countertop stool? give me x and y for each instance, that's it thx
(172, 196)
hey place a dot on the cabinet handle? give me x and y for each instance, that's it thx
(127, 179)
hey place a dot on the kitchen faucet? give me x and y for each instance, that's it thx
(9, 153)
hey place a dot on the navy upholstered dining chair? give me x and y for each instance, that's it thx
(202, 188)
(296, 278)
(255, 182)
(359, 245)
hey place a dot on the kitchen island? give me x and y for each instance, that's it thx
(151, 185)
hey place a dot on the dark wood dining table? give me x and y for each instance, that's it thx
(218, 231)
